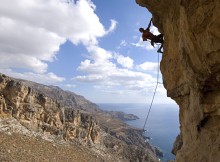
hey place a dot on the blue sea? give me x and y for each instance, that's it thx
(162, 125)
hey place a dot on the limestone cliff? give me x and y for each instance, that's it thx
(49, 113)
(40, 113)
(191, 72)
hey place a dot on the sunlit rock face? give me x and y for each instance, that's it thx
(40, 113)
(191, 71)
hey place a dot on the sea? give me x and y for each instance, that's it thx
(162, 125)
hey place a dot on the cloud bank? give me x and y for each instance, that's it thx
(110, 71)
(32, 31)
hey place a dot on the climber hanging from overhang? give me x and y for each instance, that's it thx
(146, 34)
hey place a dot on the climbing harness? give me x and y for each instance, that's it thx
(158, 70)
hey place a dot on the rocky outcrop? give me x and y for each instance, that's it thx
(40, 113)
(67, 98)
(158, 152)
(191, 68)
(177, 144)
(36, 110)
(122, 116)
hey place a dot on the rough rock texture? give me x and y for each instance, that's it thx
(191, 71)
(41, 113)
(49, 113)
(177, 144)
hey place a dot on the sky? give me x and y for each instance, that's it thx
(90, 47)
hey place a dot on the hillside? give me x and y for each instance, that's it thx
(16, 147)
(34, 113)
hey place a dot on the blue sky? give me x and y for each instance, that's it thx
(90, 47)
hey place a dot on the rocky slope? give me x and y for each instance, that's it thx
(122, 116)
(16, 147)
(64, 118)
(191, 72)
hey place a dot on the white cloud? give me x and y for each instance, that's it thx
(32, 31)
(125, 62)
(135, 37)
(148, 66)
(69, 85)
(106, 75)
(22, 61)
(143, 44)
(123, 43)
(112, 27)
(117, 92)
(97, 67)
(99, 54)
(98, 61)
(46, 78)
(90, 78)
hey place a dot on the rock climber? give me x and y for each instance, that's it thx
(146, 34)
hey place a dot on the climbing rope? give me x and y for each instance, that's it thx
(158, 70)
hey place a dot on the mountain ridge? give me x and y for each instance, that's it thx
(59, 116)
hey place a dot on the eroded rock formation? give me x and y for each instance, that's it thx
(54, 115)
(40, 113)
(191, 71)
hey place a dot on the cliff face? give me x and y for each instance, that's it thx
(40, 113)
(191, 71)
(49, 113)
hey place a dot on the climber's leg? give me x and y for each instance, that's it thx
(159, 50)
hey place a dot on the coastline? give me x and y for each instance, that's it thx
(124, 117)
(162, 127)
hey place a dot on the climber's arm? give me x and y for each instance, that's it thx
(149, 24)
